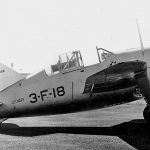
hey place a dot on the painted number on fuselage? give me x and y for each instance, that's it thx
(59, 91)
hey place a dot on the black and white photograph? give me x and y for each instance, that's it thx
(74, 75)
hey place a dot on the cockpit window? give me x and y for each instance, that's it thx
(103, 54)
(67, 62)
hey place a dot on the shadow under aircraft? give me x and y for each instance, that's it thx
(135, 132)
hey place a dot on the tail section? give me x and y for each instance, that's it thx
(8, 77)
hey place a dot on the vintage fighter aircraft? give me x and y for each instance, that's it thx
(69, 86)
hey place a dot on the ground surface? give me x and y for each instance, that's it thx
(117, 127)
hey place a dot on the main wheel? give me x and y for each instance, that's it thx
(146, 114)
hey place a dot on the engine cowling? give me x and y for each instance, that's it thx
(117, 83)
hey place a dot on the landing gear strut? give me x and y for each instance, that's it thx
(146, 114)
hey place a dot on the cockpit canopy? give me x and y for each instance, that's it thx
(103, 54)
(68, 62)
(73, 60)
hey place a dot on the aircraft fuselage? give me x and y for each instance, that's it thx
(65, 92)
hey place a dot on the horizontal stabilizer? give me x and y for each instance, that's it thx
(8, 77)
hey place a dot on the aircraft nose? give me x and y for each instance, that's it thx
(140, 67)
(122, 75)
(143, 81)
